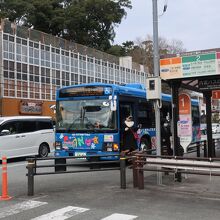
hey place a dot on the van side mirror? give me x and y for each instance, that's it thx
(5, 132)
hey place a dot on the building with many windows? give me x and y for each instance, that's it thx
(35, 64)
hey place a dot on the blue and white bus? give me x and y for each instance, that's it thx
(90, 118)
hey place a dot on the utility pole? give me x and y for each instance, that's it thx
(156, 74)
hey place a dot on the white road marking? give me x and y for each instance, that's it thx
(117, 216)
(61, 214)
(20, 207)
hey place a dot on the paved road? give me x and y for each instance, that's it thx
(97, 195)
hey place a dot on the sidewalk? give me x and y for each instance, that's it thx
(202, 186)
(198, 185)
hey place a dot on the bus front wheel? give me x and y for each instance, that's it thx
(145, 145)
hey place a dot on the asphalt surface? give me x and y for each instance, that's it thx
(99, 196)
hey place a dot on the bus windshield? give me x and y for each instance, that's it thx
(85, 115)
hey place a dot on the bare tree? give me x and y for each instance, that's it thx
(143, 50)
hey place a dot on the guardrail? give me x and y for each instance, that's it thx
(33, 167)
(181, 165)
(197, 146)
(202, 145)
(139, 160)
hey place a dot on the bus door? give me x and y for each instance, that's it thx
(125, 109)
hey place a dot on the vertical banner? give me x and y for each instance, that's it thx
(185, 120)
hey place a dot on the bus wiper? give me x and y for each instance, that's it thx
(72, 124)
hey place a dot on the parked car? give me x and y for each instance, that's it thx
(26, 135)
(215, 128)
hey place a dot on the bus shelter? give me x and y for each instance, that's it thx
(198, 72)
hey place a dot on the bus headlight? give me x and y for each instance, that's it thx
(58, 145)
(111, 147)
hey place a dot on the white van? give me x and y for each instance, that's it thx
(26, 135)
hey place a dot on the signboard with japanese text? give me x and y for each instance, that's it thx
(31, 107)
(171, 67)
(209, 84)
(185, 120)
(207, 64)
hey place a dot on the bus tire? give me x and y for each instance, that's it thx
(145, 144)
(43, 150)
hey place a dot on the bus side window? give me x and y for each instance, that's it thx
(146, 115)
(125, 111)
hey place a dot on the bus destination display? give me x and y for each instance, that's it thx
(85, 91)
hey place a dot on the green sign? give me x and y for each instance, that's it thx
(199, 65)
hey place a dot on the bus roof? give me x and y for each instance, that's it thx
(132, 89)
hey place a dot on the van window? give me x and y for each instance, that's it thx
(10, 126)
(45, 125)
(27, 126)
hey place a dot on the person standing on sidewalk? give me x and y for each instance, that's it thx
(129, 136)
(165, 138)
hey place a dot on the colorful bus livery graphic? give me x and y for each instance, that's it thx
(83, 141)
(72, 143)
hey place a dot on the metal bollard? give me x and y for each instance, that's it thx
(140, 174)
(214, 146)
(31, 172)
(123, 172)
(198, 149)
(135, 174)
(205, 149)
(178, 177)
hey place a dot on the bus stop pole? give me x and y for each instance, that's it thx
(208, 96)
(175, 118)
(156, 73)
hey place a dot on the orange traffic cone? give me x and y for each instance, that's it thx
(5, 195)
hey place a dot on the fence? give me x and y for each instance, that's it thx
(60, 167)
(141, 161)
(202, 145)
(178, 165)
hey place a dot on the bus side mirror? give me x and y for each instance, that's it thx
(113, 104)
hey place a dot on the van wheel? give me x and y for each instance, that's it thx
(145, 145)
(43, 150)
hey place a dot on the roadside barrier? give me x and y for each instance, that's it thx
(183, 165)
(202, 145)
(5, 195)
(138, 161)
(60, 165)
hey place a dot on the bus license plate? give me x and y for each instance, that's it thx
(80, 154)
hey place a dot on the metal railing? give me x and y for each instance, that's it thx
(202, 145)
(60, 167)
(177, 165)
(139, 162)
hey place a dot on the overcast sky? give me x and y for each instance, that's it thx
(195, 22)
